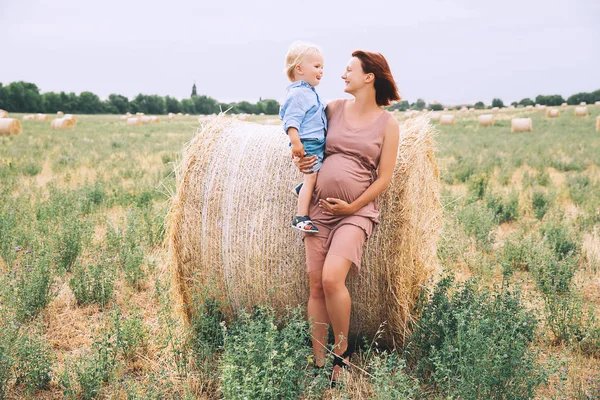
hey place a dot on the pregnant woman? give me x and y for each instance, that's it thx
(360, 156)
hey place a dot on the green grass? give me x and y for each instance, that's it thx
(84, 288)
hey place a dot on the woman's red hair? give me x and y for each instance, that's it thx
(386, 90)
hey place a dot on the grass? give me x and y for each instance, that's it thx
(85, 309)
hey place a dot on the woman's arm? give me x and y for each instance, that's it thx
(387, 163)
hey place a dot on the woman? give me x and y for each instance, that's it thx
(361, 150)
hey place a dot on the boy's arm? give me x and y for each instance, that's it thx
(292, 113)
(297, 148)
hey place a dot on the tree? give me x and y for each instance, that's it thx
(120, 104)
(526, 102)
(173, 105)
(497, 103)
(194, 90)
(187, 105)
(435, 107)
(205, 105)
(89, 103)
(268, 106)
(418, 105)
(52, 102)
(23, 97)
(551, 100)
(479, 105)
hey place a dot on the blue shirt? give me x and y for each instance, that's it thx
(303, 110)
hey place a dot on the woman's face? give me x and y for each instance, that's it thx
(354, 76)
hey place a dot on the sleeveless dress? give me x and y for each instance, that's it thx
(350, 166)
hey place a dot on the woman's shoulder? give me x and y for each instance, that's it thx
(333, 106)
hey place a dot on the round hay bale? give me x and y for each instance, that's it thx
(521, 125)
(60, 114)
(180, 114)
(564, 105)
(486, 120)
(435, 116)
(134, 121)
(10, 126)
(62, 123)
(447, 119)
(597, 103)
(42, 117)
(146, 120)
(228, 191)
(540, 106)
(552, 113)
(598, 123)
(464, 109)
(124, 117)
(187, 115)
(495, 108)
(154, 119)
(29, 117)
(530, 107)
(3, 114)
(583, 103)
(171, 116)
(581, 111)
(71, 117)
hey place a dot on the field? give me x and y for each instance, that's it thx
(86, 309)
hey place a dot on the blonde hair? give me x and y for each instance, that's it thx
(296, 54)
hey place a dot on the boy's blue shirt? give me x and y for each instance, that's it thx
(303, 110)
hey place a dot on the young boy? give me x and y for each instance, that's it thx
(304, 120)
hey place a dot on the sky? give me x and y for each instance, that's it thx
(454, 52)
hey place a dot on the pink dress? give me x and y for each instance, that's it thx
(350, 167)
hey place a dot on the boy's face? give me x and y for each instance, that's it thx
(311, 69)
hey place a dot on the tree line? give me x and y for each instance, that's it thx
(547, 100)
(26, 97)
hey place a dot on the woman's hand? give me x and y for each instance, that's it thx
(305, 164)
(333, 206)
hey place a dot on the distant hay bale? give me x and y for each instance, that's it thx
(471, 109)
(180, 114)
(435, 116)
(447, 119)
(42, 117)
(227, 190)
(597, 103)
(60, 114)
(552, 113)
(495, 108)
(563, 105)
(146, 120)
(29, 117)
(581, 111)
(598, 123)
(187, 115)
(124, 117)
(154, 119)
(521, 125)
(583, 103)
(540, 106)
(140, 114)
(3, 114)
(71, 117)
(530, 107)
(62, 123)
(486, 120)
(134, 121)
(464, 109)
(171, 116)
(10, 126)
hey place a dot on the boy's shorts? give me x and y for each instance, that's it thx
(314, 147)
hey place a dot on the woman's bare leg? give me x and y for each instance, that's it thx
(317, 314)
(337, 299)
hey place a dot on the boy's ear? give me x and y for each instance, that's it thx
(298, 69)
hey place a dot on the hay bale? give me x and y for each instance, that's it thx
(227, 190)
(447, 119)
(521, 125)
(583, 103)
(60, 114)
(540, 106)
(42, 117)
(29, 117)
(598, 123)
(597, 103)
(564, 105)
(552, 113)
(154, 119)
(146, 120)
(3, 114)
(124, 117)
(486, 120)
(10, 126)
(171, 116)
(180, 114)
(495, 108)
(62, 123)
(581, 111)
(134, 121)
(529, 107)
(435, 116)
(71, 117)
(187, 115)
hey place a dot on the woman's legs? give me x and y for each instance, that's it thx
(317, 314)
(337, 300)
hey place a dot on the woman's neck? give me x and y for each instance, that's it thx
(364, 101)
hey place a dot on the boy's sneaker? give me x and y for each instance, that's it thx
(304, 224)
(296, 190)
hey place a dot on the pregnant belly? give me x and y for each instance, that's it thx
(342, 177)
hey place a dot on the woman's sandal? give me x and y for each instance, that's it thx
(339, 361)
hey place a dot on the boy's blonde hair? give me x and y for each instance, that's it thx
(295, 55)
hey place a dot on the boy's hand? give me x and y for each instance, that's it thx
(297, 150)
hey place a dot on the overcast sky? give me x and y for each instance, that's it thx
(451, 51)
